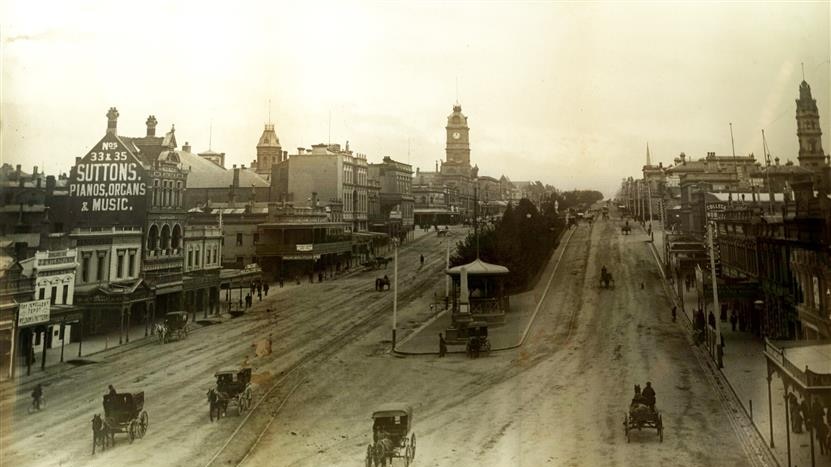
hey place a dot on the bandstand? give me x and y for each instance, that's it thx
(477, 295)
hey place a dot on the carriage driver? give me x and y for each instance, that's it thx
(649, 395)
(603, 271)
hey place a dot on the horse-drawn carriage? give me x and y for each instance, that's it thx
(232, 388)
(391, 435)
(377, 262)
(175, 324)
(123, 413)
(642, 416)
(477, 339)
(606, 280)
(381, 283)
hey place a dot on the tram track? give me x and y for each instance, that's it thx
(231, 453)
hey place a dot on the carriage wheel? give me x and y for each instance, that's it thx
(369, 455)
(412, 445)
(408, 456)
(131, 431)
(144, 422)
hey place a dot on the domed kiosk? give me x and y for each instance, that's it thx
(477, 295)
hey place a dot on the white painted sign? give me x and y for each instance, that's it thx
(32, 313)
(305, 247)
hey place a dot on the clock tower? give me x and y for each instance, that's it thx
(458, 141)
(808, 130)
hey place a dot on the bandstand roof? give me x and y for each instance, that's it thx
(479, 268)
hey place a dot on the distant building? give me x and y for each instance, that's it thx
(333, 175)
(396, 197)
(269, 152)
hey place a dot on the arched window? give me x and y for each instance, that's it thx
(177, 237)
(153, 238)
(165, 237)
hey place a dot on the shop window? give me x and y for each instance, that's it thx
(54, 295)
(65, 295)
(41, 293)
(239, 239)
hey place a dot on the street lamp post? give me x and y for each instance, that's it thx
(447, 266)
(716, 307)
(394, 291)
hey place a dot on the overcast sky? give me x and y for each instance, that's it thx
(565, 93)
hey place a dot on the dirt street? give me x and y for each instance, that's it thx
(559, 400)
(308, 321)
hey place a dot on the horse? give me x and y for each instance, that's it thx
(383, 451)
(101, 434)
(161, 331)
(218, 403)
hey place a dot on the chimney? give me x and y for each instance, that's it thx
(112, 121)
(236, 177)
(437, 166)
(300, 150)
(314, 199)
(683, 157)
(35, 171)
(17, 169)
(347, 145)
(151, 125)
(50, 182)
(186, 147)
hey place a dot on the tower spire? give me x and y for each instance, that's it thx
(648, 157)
(803, 70)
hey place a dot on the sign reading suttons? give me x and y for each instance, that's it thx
(107, 186)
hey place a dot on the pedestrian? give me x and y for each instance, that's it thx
(674, 313)
(260, 294)
(281, 282)
(37, 396)
(265, 289)
(111, 390)
(442, 346)
(796, 417)
(805, 408)
(733, 320)
(421, 258)
(320, 276)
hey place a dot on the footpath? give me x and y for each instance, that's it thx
(424, 340)
(745, 373)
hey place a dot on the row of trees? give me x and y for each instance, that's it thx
(522, 241)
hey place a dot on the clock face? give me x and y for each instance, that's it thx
(457, 135)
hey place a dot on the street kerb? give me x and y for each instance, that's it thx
(561, 246)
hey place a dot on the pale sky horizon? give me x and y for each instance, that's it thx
(565, 93)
